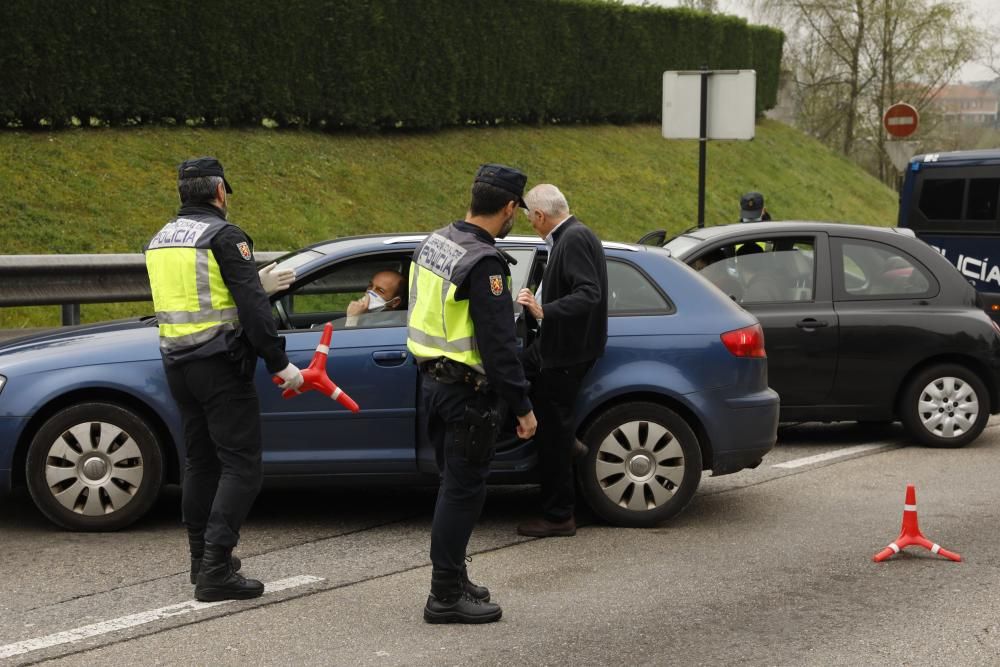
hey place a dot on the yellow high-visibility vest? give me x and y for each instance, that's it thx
(438, 324)
(192, 303)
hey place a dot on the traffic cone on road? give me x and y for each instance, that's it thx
(910, 533)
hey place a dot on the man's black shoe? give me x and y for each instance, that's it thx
(196, 567)
(463, 609)
(217, 580)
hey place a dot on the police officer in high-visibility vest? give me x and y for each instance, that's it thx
(461, 332)
(215, 320)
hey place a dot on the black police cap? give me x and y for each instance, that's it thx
(751, 204)
(202, 166)
(506, 178)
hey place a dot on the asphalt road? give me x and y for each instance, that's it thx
(766, 567)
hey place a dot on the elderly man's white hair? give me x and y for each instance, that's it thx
(548, 199)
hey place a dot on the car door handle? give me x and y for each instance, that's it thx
(810, 323)
(389, 357)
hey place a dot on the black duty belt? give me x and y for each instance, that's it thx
(448, 371)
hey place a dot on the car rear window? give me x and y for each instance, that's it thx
(631, 292)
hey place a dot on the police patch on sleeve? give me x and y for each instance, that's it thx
(496, 285)
(244, 249)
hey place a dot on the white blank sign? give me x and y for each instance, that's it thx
(731, 96)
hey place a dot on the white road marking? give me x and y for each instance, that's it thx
(142, 618)
(836, 454)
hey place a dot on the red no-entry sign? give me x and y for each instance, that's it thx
(900, 120)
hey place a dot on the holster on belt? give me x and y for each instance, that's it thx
(447, 371)
(476, 435)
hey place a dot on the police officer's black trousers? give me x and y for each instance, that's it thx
(222, 473)
(463, 482)
(553, 393)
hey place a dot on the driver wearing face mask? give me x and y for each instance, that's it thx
(384, 294)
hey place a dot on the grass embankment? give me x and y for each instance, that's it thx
(94, 191)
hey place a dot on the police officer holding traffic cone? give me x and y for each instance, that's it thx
(461, 332)
(215, 320)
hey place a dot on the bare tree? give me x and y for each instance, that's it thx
(850, 59)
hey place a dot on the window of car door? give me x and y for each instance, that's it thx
(766, 270)
(868, 270)
(632, 292)
(326, 295)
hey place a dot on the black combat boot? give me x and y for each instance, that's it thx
(218, 581)
(196, 542)
(481, 593)
(196, 566)
(450, 603)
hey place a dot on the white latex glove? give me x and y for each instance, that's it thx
(275, 281)
(292, 377)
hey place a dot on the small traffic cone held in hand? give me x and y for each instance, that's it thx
(910, 533)
(315, 376)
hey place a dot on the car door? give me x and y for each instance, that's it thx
(368, 359)
(784, 280)
(882, 298)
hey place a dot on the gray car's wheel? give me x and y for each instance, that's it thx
(945, 406)
(94, 466)
(643, 466)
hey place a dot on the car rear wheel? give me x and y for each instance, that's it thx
(94, 466)
(945, 406)
(643, 466)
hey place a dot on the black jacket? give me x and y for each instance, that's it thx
(574, 328)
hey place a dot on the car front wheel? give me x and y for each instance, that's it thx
(643, 464)
(95, 467)
(945, 406)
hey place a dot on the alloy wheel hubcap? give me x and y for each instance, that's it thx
(94, 468)
(640, 465)
(948, 407)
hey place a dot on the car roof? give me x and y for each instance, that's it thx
(369, 242)
(784, 226)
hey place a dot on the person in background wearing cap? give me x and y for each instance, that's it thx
(461, 332)
(573, 319)
(752, 208)
(215, 320)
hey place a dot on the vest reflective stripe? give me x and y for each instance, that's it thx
(200, 317)
(171, 343)
(193, 304)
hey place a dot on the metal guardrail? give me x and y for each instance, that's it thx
(70, 280)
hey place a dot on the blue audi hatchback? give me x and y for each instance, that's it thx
(88, 425)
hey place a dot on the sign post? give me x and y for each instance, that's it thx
(708, 104)
(900, 121)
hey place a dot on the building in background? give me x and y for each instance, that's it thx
(968, 105)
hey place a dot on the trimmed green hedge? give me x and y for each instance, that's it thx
(359, 64)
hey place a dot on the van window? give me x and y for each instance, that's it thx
(982, 199)
(941, 198)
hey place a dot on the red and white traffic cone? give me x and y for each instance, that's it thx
(910, 533)
(315, 377)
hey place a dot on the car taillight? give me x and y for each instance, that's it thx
(745, 342)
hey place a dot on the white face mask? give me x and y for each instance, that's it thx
(375, 302)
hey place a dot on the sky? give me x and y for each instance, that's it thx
(984, 10)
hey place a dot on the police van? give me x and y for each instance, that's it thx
(950, 200)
